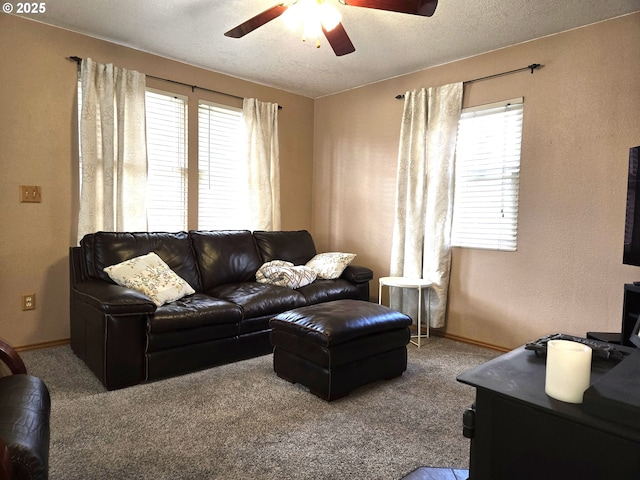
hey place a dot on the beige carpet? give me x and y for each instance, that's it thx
(241, 421)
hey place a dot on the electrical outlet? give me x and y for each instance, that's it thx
(29, 301)
(30, 194)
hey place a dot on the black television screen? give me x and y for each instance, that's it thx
(635, 334)
(631, 254)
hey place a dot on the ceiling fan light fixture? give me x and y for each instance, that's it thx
(329, 16)
(313, 16)
(292, 17)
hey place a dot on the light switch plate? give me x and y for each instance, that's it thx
(30, 194)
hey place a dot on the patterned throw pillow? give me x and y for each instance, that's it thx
(285, 274)
(150, 275)
(330, 265)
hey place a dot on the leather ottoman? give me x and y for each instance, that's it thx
(335, 347)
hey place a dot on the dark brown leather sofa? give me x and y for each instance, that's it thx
(125, 339)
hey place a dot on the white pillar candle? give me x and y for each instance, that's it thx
(568, 370)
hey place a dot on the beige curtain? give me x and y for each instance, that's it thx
(113, 151)
(421, 246)
(261, 124)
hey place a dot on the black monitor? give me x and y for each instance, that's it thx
(635, 334)
(631, 253)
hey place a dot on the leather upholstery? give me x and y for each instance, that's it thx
(332, 323)
(194, 311)
(357, 274)
(196, 318)
(125, 339)
(328, 290)
(296, 247)
(25, 407)
(335, 347)
(110, 248)
(113, 299)
(259, 299)
(342, 353)
(334, 383)
(171, 339)
(225, 256)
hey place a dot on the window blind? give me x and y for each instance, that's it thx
(167, 162)
(487, 173)
(222, 195)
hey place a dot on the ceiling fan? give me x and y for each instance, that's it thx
(317, 16)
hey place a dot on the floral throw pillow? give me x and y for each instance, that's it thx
(150, 275)
(285, 274)
(330, 265)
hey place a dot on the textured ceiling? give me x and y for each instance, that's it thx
(387, 44)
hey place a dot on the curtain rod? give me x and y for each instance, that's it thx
(532, 67)
(78, 60)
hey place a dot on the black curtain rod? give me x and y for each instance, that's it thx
(78, 60)
(532, 67)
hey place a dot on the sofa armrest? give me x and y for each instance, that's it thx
(357, 274)
(113, 299)
(107, 325)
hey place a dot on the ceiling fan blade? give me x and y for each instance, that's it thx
(425, 8)
(257, 21)
(339, 40)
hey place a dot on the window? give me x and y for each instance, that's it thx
(167, 162)
(485, 208)
(222, 191)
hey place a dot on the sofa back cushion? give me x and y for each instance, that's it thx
(103, 249)
(225, 256)
(296, 247)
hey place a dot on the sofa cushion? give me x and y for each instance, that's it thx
(259, 299)
(103, 249)
(195, 311)
(225, 256)
(296, 247)
(195, 319)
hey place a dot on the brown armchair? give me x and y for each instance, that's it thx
(25, 406)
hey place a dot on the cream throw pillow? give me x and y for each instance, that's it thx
(285, 274)
(150, 275)
(330, 265)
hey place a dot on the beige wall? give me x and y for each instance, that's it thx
(580, 118)
(38, 140)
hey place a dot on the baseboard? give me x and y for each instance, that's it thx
(433, 332)
(37, 346)
(457, 338)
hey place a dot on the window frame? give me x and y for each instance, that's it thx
(191, 161)
(486, 199)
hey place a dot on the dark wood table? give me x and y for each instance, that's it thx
(518, 432)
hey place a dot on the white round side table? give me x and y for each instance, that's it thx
(416, 283)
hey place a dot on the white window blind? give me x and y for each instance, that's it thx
(487, 173)
(167, 157)
(222, 192)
